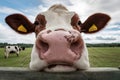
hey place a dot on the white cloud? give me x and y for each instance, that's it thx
(81, 8)
(102, 37)
(105, 38)
(115, 16)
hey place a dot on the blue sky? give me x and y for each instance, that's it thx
(30, 8)
(20, 4)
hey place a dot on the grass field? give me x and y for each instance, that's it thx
(99, 57)
(104, 56)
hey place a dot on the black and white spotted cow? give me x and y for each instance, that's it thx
(11, 50)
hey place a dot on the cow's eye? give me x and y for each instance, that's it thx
(79, 22)
(36, 23)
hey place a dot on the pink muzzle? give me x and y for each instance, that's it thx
(60, 46)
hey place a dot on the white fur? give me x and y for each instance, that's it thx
(56, 21)
(36, 63)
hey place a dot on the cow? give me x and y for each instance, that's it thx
(21, 48)
(11, 50)
(59, 46)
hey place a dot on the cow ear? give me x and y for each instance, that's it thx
(20, 23)
(95, 23)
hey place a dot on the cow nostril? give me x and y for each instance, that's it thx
(44, 46)
(76, 47)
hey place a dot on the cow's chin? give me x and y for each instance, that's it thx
(59, 68)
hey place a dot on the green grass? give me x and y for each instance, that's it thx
(99, 57)
(104, 56)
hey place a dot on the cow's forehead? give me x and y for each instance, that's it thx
(58, 19)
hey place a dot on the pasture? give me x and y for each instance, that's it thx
(99, 57)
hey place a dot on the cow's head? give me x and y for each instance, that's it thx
(59, 45)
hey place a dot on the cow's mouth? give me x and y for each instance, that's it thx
(60, 68)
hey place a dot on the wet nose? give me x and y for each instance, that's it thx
(59, 46)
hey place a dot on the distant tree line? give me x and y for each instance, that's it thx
(88, 45)
(2, 45)
(104, 45)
